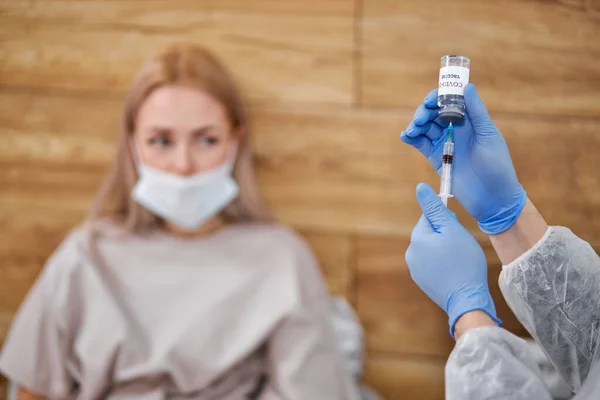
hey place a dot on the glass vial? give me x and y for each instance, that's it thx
(454, 76)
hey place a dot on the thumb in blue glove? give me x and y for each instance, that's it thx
(446, 261)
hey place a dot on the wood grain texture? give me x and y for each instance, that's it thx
(406, 378)
(398, 316)
(529, 57)
(348, 172)
(279, 50)
(334, 255)
(331, 170)
(29, 237)
(312, 166)
(345, 171)
(5, 319)
(331, 85)
(3, 388)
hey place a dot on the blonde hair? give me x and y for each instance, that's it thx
(195, 67)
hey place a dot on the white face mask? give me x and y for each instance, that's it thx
(188, 201)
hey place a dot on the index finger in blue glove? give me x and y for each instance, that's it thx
(426, 122)
(431, 129)
(424, 115)
(431, 99)
(421, 143)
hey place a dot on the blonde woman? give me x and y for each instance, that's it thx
(179, 285)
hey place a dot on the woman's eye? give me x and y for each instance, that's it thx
(210, 141)
(160, 141)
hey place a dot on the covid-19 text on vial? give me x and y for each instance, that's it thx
(451, 84)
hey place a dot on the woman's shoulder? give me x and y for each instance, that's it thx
(74, 247)
(290, 252)
(281, 244)
(63, 262)
(274, 235)
(70, 245)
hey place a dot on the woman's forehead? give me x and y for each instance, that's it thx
(181, 106)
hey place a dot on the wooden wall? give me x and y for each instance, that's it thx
(331, 84)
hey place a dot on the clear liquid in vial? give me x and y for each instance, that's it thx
(452, 107)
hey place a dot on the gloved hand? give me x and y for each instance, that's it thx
(446, 261)
(484, 179)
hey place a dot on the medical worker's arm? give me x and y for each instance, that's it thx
(448, 264)
(34, 355)
(305, 361)
(553, 287)
(491, 363)
(520, 237)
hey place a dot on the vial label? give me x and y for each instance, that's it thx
(453, 80)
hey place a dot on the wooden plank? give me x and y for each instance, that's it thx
(406, 378)
(312, 168)
(333, 253)
(5, 319)
(3, 388)
(331, 170)
(557, 164)
(530, 57)
(17, 279)
(29, 237)
(345, 171)
(397, 315)
(279, 50)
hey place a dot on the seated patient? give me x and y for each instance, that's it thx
(178, 285)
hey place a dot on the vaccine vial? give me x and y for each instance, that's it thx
(454, 76)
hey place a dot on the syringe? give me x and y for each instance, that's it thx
(447, 158)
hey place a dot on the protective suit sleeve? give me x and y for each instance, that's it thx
(491, 363)
(554, 290)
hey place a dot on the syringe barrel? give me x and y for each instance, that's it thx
(449, 149)
(445, 185)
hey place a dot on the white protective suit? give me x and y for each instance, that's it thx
(554, 290)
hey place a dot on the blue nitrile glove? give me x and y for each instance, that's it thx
(446, 261)
(484, 179)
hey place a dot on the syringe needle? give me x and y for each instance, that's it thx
(447, 158)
